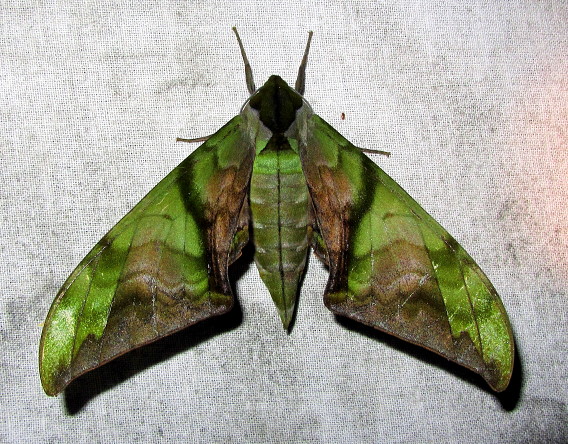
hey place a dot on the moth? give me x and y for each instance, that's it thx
(279, 176)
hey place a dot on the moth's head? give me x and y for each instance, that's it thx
(276, 104)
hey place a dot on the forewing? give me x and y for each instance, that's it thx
(161, 268)
(393, 267)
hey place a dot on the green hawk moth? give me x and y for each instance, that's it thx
(279, 176)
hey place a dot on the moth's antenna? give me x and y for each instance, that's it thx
(301, 80)
(248, 70)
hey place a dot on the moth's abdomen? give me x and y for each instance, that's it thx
(279, 208)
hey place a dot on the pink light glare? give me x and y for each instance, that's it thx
(538, 157)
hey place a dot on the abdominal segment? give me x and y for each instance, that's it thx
(280, 222)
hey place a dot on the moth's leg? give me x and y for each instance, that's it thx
(368, 150)
(316, 239)
(197, 139)
(242, 236)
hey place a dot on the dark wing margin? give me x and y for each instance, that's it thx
(163, 267)
(393, 267)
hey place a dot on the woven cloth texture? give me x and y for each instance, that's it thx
(470, 97)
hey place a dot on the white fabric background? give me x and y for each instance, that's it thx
(470, 97)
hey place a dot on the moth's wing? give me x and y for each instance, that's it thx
(161, 268)
(393, 267)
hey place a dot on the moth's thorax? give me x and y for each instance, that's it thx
(275, 109)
